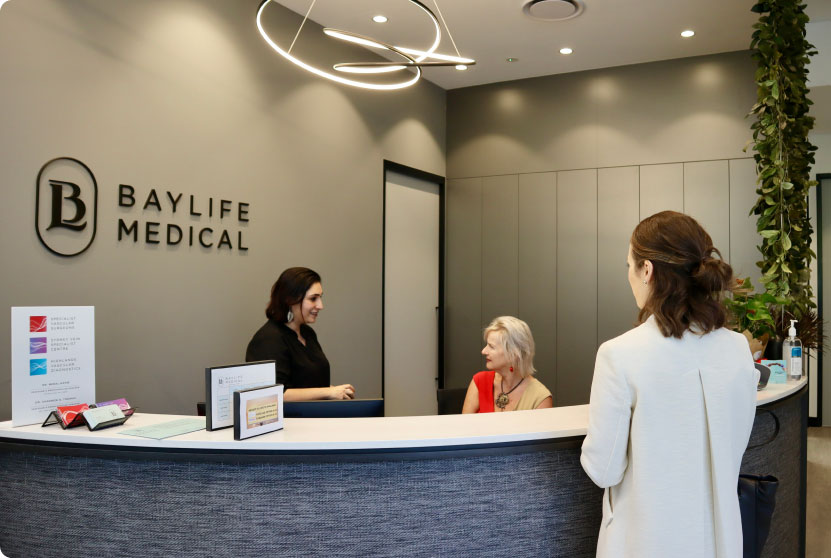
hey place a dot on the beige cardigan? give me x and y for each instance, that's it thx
(534, 394)
(669, 420)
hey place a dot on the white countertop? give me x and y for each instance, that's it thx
(354, 433)
(774, 392)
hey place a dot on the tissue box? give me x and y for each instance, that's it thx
(777, 371)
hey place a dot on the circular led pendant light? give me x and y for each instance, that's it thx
(412, 58)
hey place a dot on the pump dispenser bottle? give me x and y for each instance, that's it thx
(792, 352)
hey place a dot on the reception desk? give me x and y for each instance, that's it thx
(451, 485)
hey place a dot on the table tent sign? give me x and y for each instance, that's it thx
(53, 360)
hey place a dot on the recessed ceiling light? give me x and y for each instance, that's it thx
(566, 50)
(379, 19)
(687, 33)
(511, 59)
(461, 67)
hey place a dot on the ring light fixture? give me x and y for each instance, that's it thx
(412, 58)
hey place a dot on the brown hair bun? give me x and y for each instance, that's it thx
(713, 275)
(687, 280)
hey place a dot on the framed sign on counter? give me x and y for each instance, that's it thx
(258, 411)
(222, 381)
(53, 360)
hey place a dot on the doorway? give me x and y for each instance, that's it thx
(820, 394)
(412, 290)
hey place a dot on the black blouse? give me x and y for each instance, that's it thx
(298, 365)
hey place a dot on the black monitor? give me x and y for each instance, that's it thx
(334, 408)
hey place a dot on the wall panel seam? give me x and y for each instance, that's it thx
(556, 397)
(729, 213)
(640, 195)
(516, 253)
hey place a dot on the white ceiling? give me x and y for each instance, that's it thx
(608, 33)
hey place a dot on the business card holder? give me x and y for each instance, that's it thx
(55, 418)
(107, 424)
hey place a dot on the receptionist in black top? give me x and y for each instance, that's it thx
(296, 301)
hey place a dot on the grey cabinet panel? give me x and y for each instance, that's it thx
(576, 285)
(743, 236)
(707, 200)
(617, 216)
(463, 281)
(551, 249)
(499, 246)
(661, 188)
(537, 271)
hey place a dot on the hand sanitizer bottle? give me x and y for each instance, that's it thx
(792, 353)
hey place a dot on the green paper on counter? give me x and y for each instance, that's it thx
(167, 429)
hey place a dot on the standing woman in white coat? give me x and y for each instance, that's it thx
(672, 404)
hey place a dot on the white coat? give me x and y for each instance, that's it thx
(669, 420)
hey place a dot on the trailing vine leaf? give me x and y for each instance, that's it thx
(783, 153)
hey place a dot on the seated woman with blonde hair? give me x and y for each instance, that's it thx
(508, 384)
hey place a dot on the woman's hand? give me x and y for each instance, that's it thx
(343, 391)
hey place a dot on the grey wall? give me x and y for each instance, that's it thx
(185, 96)
(692, 109)
(547, 179)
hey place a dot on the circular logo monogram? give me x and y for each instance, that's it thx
(66, 206)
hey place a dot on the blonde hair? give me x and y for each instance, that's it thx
(517, 342)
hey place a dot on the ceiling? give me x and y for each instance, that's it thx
(607, 33)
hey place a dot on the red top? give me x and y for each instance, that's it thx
(484, 383)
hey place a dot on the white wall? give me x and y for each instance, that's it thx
(823, 153)
(819, 81)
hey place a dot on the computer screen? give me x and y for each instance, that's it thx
(334, 408)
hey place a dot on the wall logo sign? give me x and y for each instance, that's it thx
(66, 206)
(164, 205)
(66, 214)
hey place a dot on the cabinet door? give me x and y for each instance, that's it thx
(576, 285)
(463, 281)
(743, 235)
(537, 256)
(707, 200)
(617, 216)
(499, 247)
(661, 188)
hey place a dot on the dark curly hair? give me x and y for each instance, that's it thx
(687, 279)
(289, 289)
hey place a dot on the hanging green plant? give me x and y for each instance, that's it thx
(749, 311)
(783, 153)
(749, 314)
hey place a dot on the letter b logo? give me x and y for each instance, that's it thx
(66, 206)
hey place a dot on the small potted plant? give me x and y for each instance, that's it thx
(749, 314)
(809, 328)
